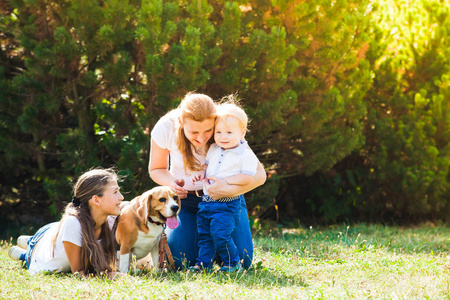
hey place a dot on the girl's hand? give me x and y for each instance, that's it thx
(117, 275)
(217, 188)
(177, 187)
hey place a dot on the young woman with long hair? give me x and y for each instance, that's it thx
(82, 242)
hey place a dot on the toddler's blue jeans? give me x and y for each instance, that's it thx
(215, 222)
(183, 240)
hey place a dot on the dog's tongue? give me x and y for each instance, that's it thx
(172, 222)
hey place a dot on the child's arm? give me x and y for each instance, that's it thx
(73, 253)
(239, 179)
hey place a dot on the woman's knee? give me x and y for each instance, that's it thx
(183, 241)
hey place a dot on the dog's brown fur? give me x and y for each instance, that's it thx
(135, 233)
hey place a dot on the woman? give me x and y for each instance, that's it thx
(179, 143)
(82, 242)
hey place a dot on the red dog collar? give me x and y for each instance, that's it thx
(156, 223)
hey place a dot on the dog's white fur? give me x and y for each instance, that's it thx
(135, 234)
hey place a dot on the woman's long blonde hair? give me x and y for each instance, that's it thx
(196, 107)
(97, 257)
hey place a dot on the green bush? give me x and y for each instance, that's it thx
(348, 105)
(402, 170)
(408, 124)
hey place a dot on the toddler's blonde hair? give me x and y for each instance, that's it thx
(229, 111)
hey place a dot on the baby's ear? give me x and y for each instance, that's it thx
(244, 131)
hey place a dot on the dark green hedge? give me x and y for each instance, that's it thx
(349, 101)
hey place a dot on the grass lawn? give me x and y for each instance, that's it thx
(336, 262)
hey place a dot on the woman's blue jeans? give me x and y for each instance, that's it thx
(183, 240)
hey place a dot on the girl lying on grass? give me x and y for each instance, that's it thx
(82, 241)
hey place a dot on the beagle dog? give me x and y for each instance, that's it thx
(140, 225)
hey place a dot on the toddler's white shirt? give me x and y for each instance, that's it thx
(223, 163)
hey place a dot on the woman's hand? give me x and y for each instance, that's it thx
(218, 188)
(177, 187)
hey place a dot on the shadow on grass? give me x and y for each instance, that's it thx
(255, 276)
(252, 278)
(248, 279)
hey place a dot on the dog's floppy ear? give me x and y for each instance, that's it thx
(142, 210)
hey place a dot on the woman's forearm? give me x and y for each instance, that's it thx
(161, 176)
(220, 188)
(239, 179)
(260, 177)
(258, 180)
(158, 165)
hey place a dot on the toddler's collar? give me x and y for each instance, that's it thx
(239, 149)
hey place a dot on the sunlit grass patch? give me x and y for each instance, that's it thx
(335, 262)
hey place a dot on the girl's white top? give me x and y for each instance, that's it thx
(44, 259)
(165, 134)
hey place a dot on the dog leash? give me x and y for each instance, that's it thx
(165, 256)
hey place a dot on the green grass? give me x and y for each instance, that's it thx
(336, 262)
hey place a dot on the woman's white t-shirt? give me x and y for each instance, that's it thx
(165, 134)
(44, 259)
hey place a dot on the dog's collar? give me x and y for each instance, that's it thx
(156, 223)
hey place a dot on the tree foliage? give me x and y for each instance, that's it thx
(402, 170)
(348, 101)
(409, 119)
